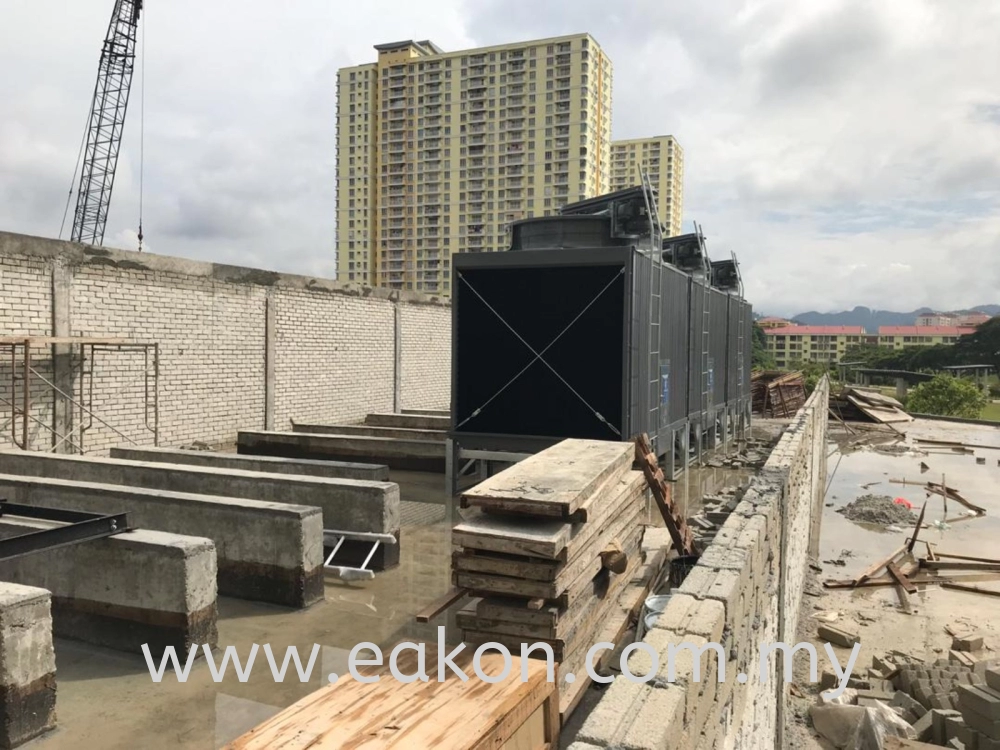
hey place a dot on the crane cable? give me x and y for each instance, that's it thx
(76, 168)
(142, 129)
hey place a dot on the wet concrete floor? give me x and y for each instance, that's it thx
(107, 699)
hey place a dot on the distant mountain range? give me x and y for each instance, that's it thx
(872, 319)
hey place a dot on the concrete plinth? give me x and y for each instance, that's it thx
(364, 430)
(266, 464)
(347, 504)
(124, 590)
(270, 552)
(411, 421)
(408, 455)
(27, 664)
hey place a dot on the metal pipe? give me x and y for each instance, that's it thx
(27, 393)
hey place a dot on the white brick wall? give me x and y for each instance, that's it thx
(334, 345)
(425, 332)
(334, 357)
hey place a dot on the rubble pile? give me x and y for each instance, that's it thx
(877, 509)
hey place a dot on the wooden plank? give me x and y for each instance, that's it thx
(440, 604)
(848, 583)
(969, 589)
(964, 557)
(901, 579)
(581, 566)
(628, 492)
(916, 529)
(876, 567)
(389, 714)
(548, 539)
(959, 565)
(554, 482)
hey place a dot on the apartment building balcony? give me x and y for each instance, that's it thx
(478, 116)
(477, 70)
(476, 128)
(515, 112)
(399, 147)
(515, 170)
(476, 195)
(476, 95)
(477, 184)
(562, 119)
(431, 154)
(433, 111)
(397, 180)
(477, 82)
(563, 130)
(478, 161)
(515, 193)
(433, 76)
(562, 108)
(563, 71)
(515, 159)
(396, 244)
(475, 229)
(432, 121)
(477, 107)
(432, 99)
(516, 89)
(396, 191)
(562, 191)
(477, 150)
(479, 59)
(396, 202)
(563, 96)
(515, 100)
(562, 142)
(514, 123)
(515, 77)
(395, 104)
(516, 66)
(395, 213)
(477, 140)
(562, 60)
(475, 242)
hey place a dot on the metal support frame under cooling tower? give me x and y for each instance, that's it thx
(465, 462)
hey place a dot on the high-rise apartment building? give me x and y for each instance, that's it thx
(663, 160)
(437, 152)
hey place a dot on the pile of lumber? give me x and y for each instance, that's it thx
(777, 394)
(865, 405)
(549, 548)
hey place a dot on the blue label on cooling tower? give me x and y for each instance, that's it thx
(665, 382)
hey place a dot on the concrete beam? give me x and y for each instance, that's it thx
(426, 412)
(363, 430)
(124, 590)
(27, 664)
(410, 421)
(347, 504)
(266, 464)
(412, 455)
(270, 552)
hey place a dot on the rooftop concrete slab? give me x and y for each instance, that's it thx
(124, 590)
(414, 455)
(270, 552)
(347, 504)
(266, 464)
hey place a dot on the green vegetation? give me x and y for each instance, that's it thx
(761, 358)
(948, 397)
(991, 413)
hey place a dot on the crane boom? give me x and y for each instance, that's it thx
(107, 121)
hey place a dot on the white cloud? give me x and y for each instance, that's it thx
(849, 152)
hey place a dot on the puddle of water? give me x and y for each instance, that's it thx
(855, 473)
(106, 699)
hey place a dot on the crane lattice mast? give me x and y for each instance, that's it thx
(107, 121)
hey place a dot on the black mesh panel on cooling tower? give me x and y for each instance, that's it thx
(538, 303)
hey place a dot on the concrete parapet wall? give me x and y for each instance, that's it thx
(266, 464)
(239, 348)
(745, 591)
(27, 664)
(125, 590)
(347, 504)
(270, 552)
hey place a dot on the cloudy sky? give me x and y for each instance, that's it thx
(847, 151)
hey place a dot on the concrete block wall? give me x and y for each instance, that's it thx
(745, 591)
(239, 348)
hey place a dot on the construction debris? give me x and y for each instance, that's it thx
(877, 509)
(777, 394)
(865, 405)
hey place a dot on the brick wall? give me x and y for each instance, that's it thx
(425, 337)
(330, 349)
(745, 590)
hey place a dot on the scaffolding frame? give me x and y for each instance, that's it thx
(81, 356)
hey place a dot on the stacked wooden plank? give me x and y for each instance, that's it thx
(777, 394)
(554, 543)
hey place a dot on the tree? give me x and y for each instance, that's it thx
(761, 358)
(947, 397)
(981, 347)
